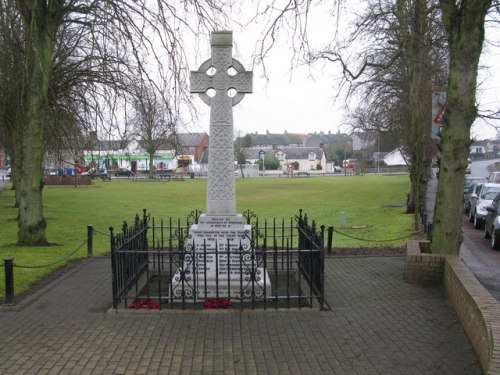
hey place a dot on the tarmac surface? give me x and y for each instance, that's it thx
(378, 324)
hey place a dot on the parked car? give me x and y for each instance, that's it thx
(124, 172)
(468, 170)
(80, 170)
(474, 188)
(492, 223)
(480, 201)
(95, 173)
(494, 177)
(470, 183)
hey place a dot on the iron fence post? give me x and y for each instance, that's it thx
(329, 240)
(114, 281)
(9, 279)
(90, 240)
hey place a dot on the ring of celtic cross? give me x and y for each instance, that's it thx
(238, 67)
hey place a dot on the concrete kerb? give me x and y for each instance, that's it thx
(477, 310)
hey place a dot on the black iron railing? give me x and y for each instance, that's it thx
(155, 261)
(129, 256)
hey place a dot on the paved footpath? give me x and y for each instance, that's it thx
(378, 324)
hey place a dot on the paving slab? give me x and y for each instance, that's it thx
(378, 324)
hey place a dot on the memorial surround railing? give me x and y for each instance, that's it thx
(149, 266)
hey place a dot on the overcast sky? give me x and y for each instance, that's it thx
(295, 102)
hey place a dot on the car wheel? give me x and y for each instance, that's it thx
(495, 241)
(486, 233)
(477, 223)
(471, 216)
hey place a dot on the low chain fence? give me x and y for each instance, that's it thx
(9, 264)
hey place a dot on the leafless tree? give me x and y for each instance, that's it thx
(73, 61)
(153, 122)
(464, 23)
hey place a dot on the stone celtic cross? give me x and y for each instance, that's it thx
(216, 75)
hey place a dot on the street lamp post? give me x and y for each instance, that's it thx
(378, 152)
(262, 155)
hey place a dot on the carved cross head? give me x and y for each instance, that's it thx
(221, 78)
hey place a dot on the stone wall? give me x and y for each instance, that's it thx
(477, 310)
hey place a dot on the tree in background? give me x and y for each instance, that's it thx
(464, 23)
(270, 163)
(240, 144)
(393, 83)
(153, 122)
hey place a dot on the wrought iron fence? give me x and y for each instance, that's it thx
(155, 265)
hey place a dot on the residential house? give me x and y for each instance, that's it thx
(364, 140)
(485, 149)
(322, 140)
(274, 140)
(298, 159)
(192, 144)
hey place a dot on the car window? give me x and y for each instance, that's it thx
(489, 192)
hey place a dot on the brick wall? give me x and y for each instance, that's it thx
(67, 180)
(422, 267)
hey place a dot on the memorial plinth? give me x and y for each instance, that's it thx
(221, 262)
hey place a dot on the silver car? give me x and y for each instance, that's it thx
(470, 186)
(480, 201)
(492, 223)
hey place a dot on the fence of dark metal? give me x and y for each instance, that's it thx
(154, 266)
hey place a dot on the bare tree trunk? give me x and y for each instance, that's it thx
(39, 18)
(464, 25)
(151, 165)
(413, 25)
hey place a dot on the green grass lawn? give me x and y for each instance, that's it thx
(376, 202)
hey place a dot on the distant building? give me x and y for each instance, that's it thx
(485, 149)
(300, 159)
(363, 140)
(274, 140)
(182, 150)
(192, 144)
(323, 139)
(395, 157)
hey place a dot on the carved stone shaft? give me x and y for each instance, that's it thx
(215, 74)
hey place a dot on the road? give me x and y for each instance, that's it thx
(476, 252)
(480, 168)
(482, 260)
